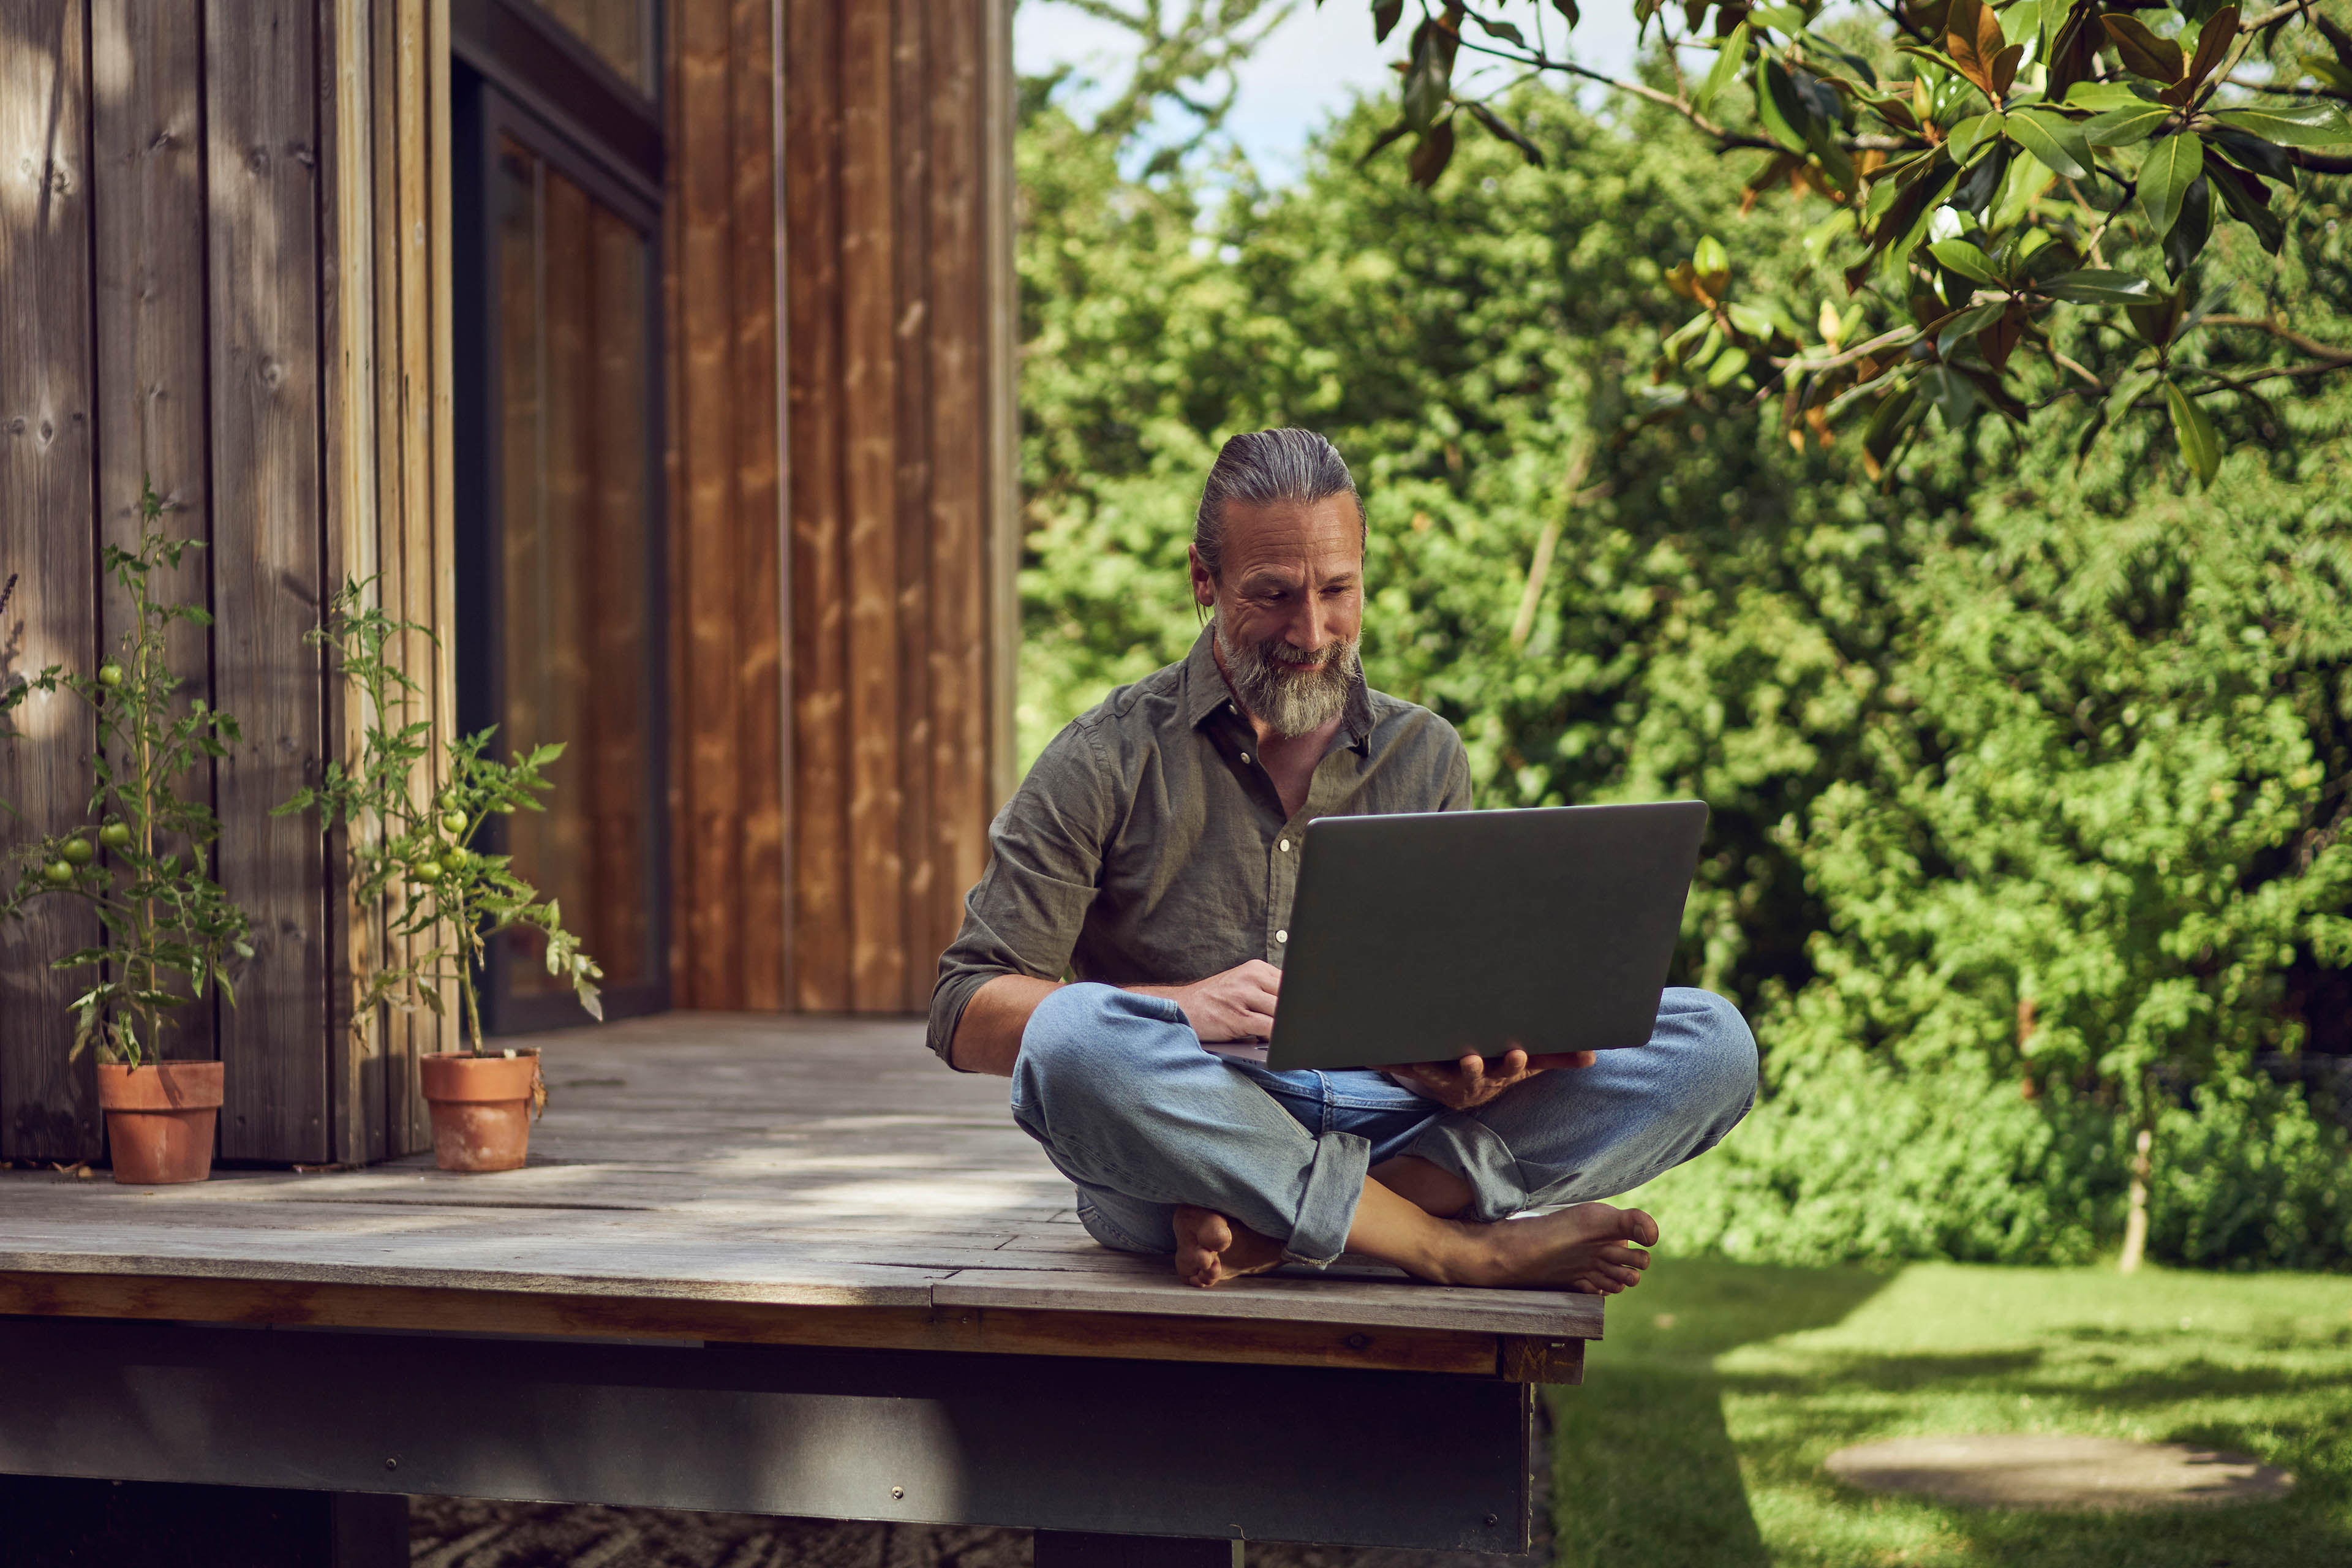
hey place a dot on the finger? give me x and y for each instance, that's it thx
(1514, 1063)
(1547, 1061)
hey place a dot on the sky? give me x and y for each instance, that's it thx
(1308, 69)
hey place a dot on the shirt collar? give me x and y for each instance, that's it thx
(1206, 692)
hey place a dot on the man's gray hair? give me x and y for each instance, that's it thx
(1268, 467)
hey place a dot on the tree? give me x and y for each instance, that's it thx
(2003, 184)
(2020, 781)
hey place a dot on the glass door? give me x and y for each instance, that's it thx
(561, 561)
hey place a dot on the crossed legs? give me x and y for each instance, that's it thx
(1235, 1170)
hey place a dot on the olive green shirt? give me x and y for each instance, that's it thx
(1149, 846)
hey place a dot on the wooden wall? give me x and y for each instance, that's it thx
(844, 683)
(225, 266)
(223, 269)
(897, 144)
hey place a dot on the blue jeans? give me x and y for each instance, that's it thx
(1128, 1106)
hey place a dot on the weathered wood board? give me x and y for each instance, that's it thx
(697, 1163)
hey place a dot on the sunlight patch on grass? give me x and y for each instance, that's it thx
(1721, 1388)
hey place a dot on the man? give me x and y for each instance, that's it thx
(1152, 851)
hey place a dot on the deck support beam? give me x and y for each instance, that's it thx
(1052, 1443)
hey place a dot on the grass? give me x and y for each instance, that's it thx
(1698, 1437)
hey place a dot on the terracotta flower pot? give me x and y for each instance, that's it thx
(159, 1118)
(481, 1108)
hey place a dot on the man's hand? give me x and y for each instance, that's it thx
(1235, 1006)
(1474, 1081)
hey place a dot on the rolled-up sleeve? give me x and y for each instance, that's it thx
(1045, 849)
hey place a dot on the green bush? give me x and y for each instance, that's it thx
(2027, 773)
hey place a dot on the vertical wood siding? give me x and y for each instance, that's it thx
(898, 159)
(224, 270)
(49, 1107)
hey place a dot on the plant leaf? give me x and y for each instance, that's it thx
(2213, 41)
(2292, 124)
(1975, 319)
(2053, 139)
(2143, 54)
(2173, 166)
(1729, 56)
(2125, 126)
(2099, 288)
(2200, 444)
(1969, 260)
(1972, 38)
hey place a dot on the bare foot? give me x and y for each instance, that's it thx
(1591, 1248)
(1211, 1250)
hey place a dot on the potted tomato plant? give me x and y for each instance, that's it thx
(140, 860)
(412, 848)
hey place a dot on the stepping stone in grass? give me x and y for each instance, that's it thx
(2046, 1472)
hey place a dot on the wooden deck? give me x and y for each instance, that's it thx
(737, 1178)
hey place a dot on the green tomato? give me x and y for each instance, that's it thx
(453, 822)
(110, 673)
(57, 873)
(77, 852)
(115, 835)
(425, 871)
(455, 860)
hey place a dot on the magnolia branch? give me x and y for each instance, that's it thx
(2285, 334)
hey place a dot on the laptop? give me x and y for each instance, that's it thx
(1425, 936)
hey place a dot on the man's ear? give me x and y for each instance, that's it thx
(1205, 588)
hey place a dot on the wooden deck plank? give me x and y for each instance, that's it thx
(781, 1163)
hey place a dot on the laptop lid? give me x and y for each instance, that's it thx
(1421, 937)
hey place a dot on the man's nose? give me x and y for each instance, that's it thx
(1309, 629)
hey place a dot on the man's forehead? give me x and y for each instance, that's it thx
(1326, 531)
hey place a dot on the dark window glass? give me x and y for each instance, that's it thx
(575, 377)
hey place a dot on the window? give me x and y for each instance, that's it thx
(560, 637)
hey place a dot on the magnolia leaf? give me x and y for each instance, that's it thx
(2247, 200)
(1975, 319)
(1779, 18)
(2099, 288)
(2292, 124)
(1973, 41)
(1964, 136)
(1435, 151)
(2143, 54)
(1386, 14)
(2173, 166)
(1729, 56)
(2053, 139)
(1779, 109)
(2267, 159)
(1506, 31)
(1969, 261)
(2193, 229)
(2200, 444)
(2125, 126)
(2221, 31)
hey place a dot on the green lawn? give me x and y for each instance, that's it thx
(1698, 1436)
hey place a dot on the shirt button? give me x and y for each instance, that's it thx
(1245, 756)
(1282, 936)
(1283, 846)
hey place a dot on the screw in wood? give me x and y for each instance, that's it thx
(897, 1493)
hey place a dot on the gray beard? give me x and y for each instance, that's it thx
(1276, 693)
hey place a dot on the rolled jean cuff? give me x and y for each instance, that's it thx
(1326, 1209)
(1472, 1150)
